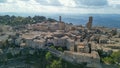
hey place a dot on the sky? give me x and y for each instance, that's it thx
(61, 6)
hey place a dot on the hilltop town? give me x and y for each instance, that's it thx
(81, 44)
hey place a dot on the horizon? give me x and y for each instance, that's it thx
(24, 14)
(106, 20)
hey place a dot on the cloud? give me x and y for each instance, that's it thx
(49, 2)
(114, 3)
(68, 3)
(25, 0)
(60, 6)
(2, 1)
(91, 3)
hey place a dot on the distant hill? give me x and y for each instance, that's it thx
(107, 20)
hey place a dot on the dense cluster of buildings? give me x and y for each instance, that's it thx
(81, 43)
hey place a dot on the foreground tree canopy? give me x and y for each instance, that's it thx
(113, 58)
(18, 20)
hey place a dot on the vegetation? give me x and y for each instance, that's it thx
(18, 20)
(40, 59)
(108, 60)
(48, 56)
(60, 49)
(53, 47)
(114, 58)
(56, 64)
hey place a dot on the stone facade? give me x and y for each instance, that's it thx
(89, 24)
(90, 58)
(83, 47)
(70, 45)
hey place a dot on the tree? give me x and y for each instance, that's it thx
(56, 64)
(119, 66)
(116, 57)
(51, 20)
(38, 19)
(18, 20)
(60, 49)
(53, 47)
(48, 56)
(113, 58)
(108, 60)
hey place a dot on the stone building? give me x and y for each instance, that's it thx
(89, 24)
(83, 48)
(70, 45)
(59, 42)
(61, 24)
(39, 43)
(92, 59)
(103, 39)
(53, 26)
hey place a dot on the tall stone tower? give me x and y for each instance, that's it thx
(60, 19)
(61, 24)
(89, 24)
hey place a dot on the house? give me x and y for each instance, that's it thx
(70, 44)
(38, 43)
(103, 39)
(83, 48)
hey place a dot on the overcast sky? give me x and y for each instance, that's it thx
(61, 6)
